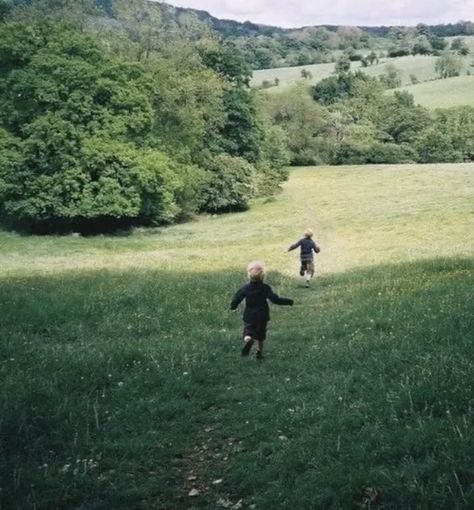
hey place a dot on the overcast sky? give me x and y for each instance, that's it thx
(297, 13)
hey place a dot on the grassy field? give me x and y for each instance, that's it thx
(458, 91)
(123, 385)
(423, 67)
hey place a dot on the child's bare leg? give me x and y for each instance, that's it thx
(309, 274)
(247, 345)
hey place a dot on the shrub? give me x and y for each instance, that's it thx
(229, 184)
(94, 180)
(390, 153)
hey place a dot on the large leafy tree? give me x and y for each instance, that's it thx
(77, 118)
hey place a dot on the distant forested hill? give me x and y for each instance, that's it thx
(266, 47)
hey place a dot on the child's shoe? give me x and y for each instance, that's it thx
(301, 272)
(248, 342)
(259, 355)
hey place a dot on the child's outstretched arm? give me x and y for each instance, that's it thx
(276, 299)
(316, 248)
(236, 300)
(294, 245)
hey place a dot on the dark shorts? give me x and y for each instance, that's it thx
(307, 265)
(258, 331)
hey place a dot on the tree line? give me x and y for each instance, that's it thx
(349, 118)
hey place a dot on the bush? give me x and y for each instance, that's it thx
(436, 146)
(229, 184)
(94, 180)
(390, 153)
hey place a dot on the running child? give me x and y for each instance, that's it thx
(307, 247)
(256, 312)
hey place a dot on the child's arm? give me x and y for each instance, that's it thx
(276, 299)
(236, 300)
(316, 248)
(294, 245)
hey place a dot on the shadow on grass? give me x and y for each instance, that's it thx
(126, 390)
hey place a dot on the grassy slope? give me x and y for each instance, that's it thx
(123, 386)
(456, 91)
(423, 67)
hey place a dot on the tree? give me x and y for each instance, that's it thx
(4, 9)
(422, 46)
(391, 78)
(229, 184)
(448, 65)
(78, 118)
(340, 87)
(436, 145)
(372, 57)
(343, 64)
(402, 121)
(459, 46)
(304, 123)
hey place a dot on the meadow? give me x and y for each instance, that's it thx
(457, 91)
(420, 66)
(122, 381)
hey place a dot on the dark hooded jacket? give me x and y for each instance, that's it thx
(256, 295)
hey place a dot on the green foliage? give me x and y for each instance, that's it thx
(241, 133)
(76, 113)
(124, 123)
(341, 87)
(343, 64)
(459, 46)
(188, 106)
(5, 8)
(65, 178)
(229, 185)
(355, 122)
(391, 78)
(448, 65)
(450, 138)
(304, 124)
(402, 121)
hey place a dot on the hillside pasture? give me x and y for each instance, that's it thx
(456, 91)
(122, 381)
(422, 67)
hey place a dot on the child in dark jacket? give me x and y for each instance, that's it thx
(256, 313)
(307, 246)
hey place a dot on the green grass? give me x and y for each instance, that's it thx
(123, 388)
(423, 67)
(458, 91)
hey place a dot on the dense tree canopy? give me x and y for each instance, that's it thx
(353, 120)
(123, 124)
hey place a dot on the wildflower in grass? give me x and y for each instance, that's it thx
(256, 313)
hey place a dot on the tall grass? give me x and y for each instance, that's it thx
(123, 386)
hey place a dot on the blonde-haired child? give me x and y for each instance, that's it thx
(256, 313)
(307, 246)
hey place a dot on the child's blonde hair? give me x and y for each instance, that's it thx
(308, 233)
(256, 270)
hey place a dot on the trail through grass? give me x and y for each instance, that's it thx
(123, 386)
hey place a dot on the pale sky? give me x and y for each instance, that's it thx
(297, 13)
